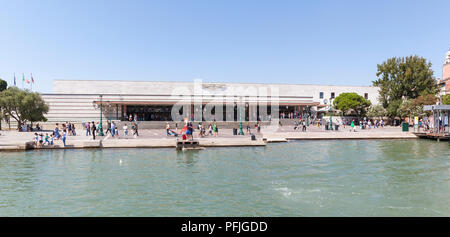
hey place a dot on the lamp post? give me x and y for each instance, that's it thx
(241, 132)
(307, 117)
(100, 129)
(331, 114)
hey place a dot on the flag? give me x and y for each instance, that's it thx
(14, 79)
(25, 80)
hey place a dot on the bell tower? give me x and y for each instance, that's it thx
(446, 72)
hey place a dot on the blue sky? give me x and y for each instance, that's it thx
(310, 42)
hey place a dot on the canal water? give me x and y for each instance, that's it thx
(303, 178)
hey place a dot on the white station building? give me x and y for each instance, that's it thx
(80, 100)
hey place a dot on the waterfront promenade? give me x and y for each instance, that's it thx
(156, 138)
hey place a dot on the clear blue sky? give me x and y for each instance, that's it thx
(319, 42)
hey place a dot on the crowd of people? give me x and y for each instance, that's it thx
(93, 129)
(187, 132)
(58, 133)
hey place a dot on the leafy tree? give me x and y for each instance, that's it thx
(351, 102)
(376, 111)
(404, 78)
(3, 85)
(446, 99)
(393, 109)
(23, 105)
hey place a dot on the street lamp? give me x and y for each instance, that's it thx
(100, 129)
(307, 116)
(331, 114)
(241, 132)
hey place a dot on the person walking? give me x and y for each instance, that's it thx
(46, 139)
(64, 134)
(93, 130)
(125, 130)
(136, 133)
(69, 128)
(304, 126)
(352, 125)
(168, 129)
(73, 130)
(113, 129)
(88, 129)
(116, 131)
(216, 130)
(56, 132)
(109, 128)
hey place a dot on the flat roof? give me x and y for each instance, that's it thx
(206, 82)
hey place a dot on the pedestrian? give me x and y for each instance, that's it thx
(46, 139)
(168, 129)
(88, 129)
(136, 133)
(125, 130)
(64, 137)
(36, 140)
(216, 130)
(210, 132)
(113, 129)
(56, 132)
(51, 140)
(109, 127)
(69, 128)
(73, 130)
(353, 126)
(304, 126)
(117, 131)
(93, 129)
(41, 139)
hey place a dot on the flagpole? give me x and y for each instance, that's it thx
(31, 83)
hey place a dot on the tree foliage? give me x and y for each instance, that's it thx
(393, 109)
(376, 111)
(446, 99)
(351, 102)
(414, 107)
(404, 78)
(3, 85)
(23, 105)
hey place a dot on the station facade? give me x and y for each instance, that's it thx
(81, 100)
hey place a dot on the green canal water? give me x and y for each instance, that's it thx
(304, 178)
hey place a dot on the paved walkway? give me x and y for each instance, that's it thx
(13, 140)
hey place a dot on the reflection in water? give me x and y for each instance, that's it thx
(188, 157)
(304, 178)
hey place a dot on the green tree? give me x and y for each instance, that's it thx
(414, 107)
(446, 99)
(23, 105)
(404, 78)
(351, 102)
(376, 111)
(3, 85)
(393, 109)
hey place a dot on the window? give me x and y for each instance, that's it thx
(321, 95)
(366, 96)
(332, 95)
